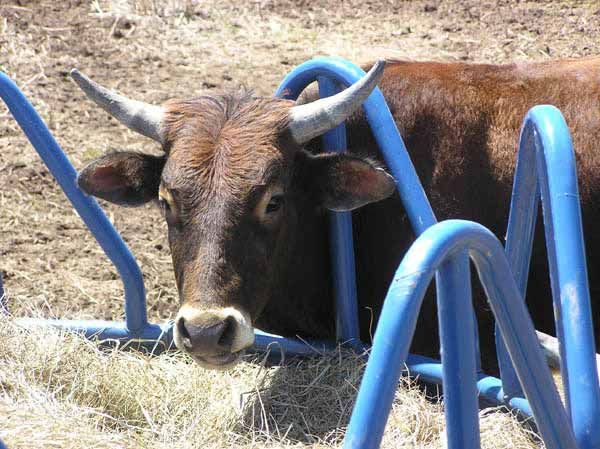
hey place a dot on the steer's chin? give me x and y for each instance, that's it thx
(223, 361)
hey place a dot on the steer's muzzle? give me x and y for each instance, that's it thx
(214, 338)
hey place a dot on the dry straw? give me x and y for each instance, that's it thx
(61, 391)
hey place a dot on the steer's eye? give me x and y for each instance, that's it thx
(164, 205)
(168, 210)
(274, 204)
(269, 206)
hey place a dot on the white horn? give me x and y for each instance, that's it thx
(138, 116)
(550, 348)
(313, 119)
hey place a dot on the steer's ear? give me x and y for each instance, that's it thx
(125, 178)
(343, 182)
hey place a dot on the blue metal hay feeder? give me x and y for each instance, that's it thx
(546, 165)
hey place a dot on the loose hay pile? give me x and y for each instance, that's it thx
(61, 391)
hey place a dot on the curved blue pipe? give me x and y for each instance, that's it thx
(332, 75)
(546, 168)
(87, 207)
(434, 248)
(382, 125)
(341, 242)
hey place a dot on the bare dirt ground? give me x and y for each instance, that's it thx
(156, 50)
(152, 51)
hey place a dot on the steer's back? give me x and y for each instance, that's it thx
(461, 125)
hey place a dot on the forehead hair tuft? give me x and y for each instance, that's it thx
(214, 114)
(223, 141)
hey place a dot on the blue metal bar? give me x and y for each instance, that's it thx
(398, 320)
(87, 207)
(489, 388)
(382, 125)
(160, 337)
(341, 242)
(546, 165)
(150, 336)
(457, 341)
(388, 138)
(521, 227)
(332, 74)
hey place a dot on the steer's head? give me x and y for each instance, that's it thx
(233, 183)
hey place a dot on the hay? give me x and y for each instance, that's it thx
(61, 391)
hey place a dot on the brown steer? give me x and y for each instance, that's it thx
(244, 193)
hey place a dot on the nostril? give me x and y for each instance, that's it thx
(208, 336)
(184, 333)
(228, 334)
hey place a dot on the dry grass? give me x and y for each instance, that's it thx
(61, 391)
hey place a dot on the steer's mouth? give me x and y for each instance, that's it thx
(216, 338)
(222, 361)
